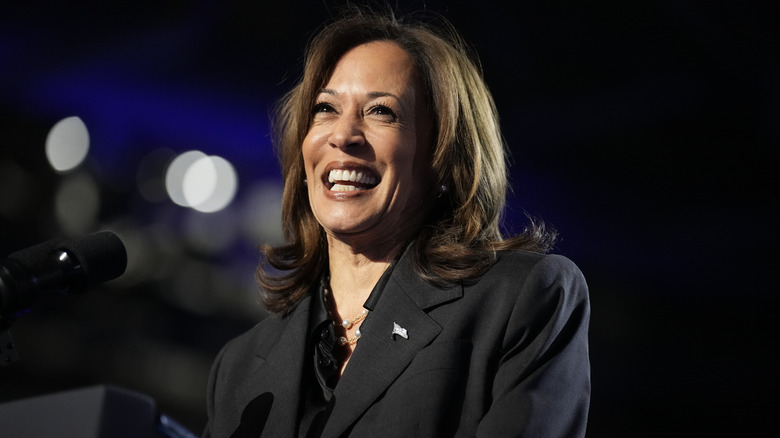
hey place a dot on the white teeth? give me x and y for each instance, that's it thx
(350, 176)
(343, 188)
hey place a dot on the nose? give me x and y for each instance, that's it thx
(347, 132)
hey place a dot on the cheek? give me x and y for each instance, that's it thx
(308, 152)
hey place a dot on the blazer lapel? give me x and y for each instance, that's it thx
(381, 356)
(280, 373)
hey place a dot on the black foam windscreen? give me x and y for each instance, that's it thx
(102, 256)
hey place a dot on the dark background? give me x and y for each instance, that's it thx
(646, 132)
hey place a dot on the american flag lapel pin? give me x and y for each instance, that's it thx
(400, 331)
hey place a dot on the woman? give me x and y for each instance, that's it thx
(398, 308)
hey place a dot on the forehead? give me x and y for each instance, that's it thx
(378, 66)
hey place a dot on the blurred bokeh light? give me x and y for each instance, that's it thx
(67, 144)
(209, 184)
(176, 173)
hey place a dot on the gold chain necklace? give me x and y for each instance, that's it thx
(346, 323)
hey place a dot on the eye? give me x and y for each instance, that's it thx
(383, 111)
(322, 107)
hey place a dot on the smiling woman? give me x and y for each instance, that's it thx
(399, 308)
(366, 121)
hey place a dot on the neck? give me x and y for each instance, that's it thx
(353, 274)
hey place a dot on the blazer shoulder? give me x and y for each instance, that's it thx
(545, 265)
(535, 272)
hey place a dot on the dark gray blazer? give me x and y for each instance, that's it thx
(504, 356)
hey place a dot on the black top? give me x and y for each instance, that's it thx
(322, 371)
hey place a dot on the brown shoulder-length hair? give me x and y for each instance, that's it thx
(461, 235)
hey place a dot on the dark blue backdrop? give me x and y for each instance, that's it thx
(646, 132)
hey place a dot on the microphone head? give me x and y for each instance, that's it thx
(102, 256)
(72, 266)
(36, 257)
(89, 261)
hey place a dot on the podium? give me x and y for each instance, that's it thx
(92, 412)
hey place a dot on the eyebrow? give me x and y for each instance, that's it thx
(372, 94)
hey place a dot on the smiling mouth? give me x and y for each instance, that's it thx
(346, 180)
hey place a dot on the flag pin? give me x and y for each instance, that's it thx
(400, 331)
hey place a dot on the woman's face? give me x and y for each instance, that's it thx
(366, 154)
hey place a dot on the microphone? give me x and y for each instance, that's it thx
(71, 266)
